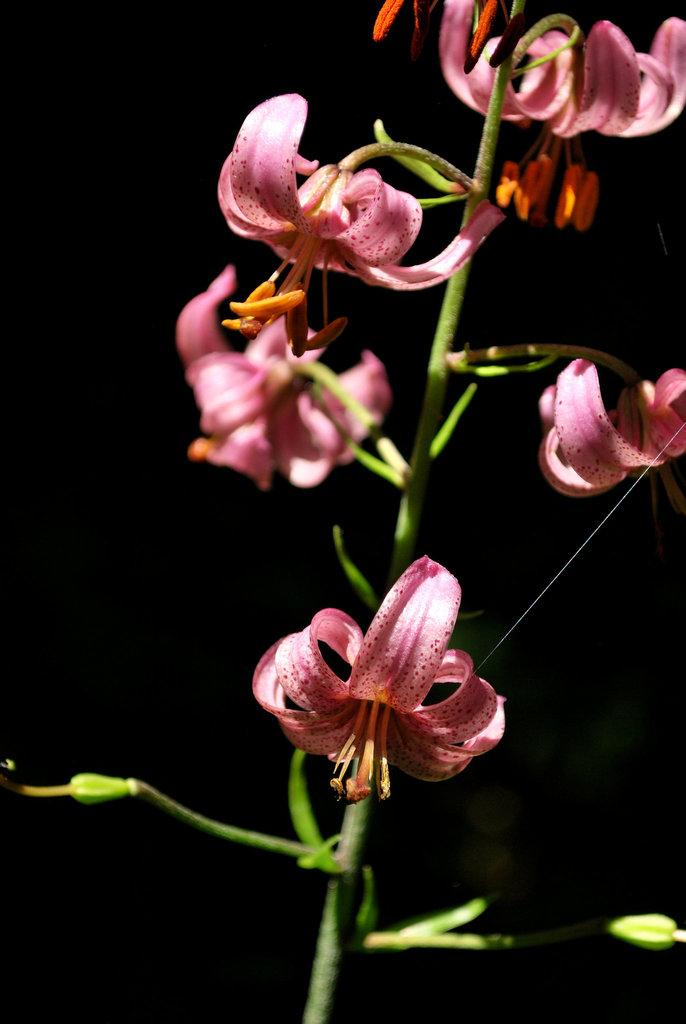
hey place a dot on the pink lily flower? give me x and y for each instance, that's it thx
(603, 85)
(258, 411)
(586, 450)
(377, 715)
(338, 219)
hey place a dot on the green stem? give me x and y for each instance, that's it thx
(337, 915)
(274, 844)
(338, 907)
(461, 362)
(412, 503)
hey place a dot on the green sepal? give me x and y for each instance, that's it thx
(650, 931)
(89, 788)
(452, 419)
(416, 166)
(368, 911)
(322, 858)
(357, 581)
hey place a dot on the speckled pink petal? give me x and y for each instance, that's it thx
(310, 731)
(404, 647)
(560, 474)
(197, 329)
(590, 443)
(461, 716)
(419, 756)
(441, 267)
(385, 225)
(259, 179)
(301, 669)
(611, 86)
(668, 49)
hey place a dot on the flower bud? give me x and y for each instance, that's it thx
(94, 789)
(651, 931)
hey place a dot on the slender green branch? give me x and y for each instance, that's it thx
(464, 361)
(405, 151)
(260, 840)
(452, 940)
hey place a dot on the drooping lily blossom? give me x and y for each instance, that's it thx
(586, 450)
(259, 413)
(601, 84)
(338, 219)
(376, 715)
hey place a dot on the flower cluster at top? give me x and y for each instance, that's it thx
(598, 84)
(377, 714)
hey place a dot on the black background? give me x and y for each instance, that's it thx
(142, 589)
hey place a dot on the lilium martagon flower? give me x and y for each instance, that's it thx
(600, 83)
(259, 412)
(587, 450)
(339, 219)
(376, 715)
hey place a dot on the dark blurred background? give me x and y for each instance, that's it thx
(141, 589)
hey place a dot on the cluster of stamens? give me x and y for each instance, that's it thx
(367, 742)
(528, 185)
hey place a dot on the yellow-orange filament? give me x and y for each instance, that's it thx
(367, 742)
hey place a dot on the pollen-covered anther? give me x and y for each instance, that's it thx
(578, 198)
(509, 180)
(481, 35)
(265, 309)
(199, 449)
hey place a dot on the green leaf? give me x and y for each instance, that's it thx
(368, 912)
(452, 419)
(442, 920)
(419, 167)
(302, 815)
(357, 581)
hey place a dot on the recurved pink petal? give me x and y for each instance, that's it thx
(404, 647)
(417, 755)
(307, 730)
(441, 267)
(229, 390)
(368, 383)
(246, 450)
(590, 443)
(667, 58)
(611, 86)
(386, 224)
(301, 669)
(259, 178)
(461, 716)
(667, 413)
(197, 328)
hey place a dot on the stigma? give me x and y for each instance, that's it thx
(367, 743)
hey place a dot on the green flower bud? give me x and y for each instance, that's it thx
(651, 931)
(88, 788)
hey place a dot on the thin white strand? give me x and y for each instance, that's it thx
(578, 550)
